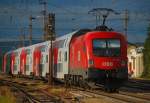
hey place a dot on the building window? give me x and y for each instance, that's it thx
(133, 64)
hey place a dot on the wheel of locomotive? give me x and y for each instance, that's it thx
(110, 90)
(114, 90)
(67, 80)
(109, 85)
(83, 83)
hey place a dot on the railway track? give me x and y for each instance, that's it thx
(138, 84)
(121, 96)
(140, 80)
(41, 96)
(32, 95)
(124, 95)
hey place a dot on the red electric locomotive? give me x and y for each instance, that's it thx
(98, 56)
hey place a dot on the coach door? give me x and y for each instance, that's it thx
(16, 63)
(65, 63)
(62, 65)
(28, 62)
(59, 71)
(8, 64)
(27, 67)
(46, 63)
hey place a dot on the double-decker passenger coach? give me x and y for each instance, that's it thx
(81, 57)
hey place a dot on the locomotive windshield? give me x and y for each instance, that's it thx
(106, 47)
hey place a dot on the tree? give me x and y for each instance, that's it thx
(1, 59)
(146, 72)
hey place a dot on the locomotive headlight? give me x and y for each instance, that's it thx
(91, 63)
(123, 63)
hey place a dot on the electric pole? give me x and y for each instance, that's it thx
(51, 27)
(30, 29)
(51, 37)
(126, 19)
(22, 37)
(44, 12)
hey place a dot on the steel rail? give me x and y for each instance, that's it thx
(121, 96)
(29, 97)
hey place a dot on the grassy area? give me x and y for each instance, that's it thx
(56, 90)
(95, 100)
(142, 78)
(6, 96)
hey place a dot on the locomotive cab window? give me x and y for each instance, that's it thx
(106, 47)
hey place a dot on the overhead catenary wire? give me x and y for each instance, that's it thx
(66, 12)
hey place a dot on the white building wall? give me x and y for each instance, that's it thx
(136, 59)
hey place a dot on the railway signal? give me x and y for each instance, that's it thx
(126, 20)
(51, 26)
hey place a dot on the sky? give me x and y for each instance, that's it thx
(72, 15)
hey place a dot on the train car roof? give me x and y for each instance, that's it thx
(36, 45)
(81, 32)
(69, 35)
(9, 52)
(67, 38)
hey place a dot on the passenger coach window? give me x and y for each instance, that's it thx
(106, 47)
(27, 60)
(42, 59)
(59, 58)
(46, 58)
(65, 56)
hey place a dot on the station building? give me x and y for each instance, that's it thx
(135, 60)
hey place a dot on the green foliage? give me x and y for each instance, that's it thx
(1, 61)
(148, 31)
(146, 72)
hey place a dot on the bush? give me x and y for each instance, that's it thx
(146, 72)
